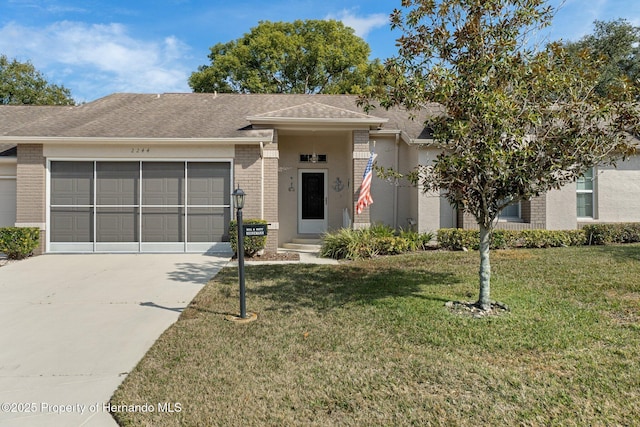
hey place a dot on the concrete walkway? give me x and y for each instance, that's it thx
(73, 326)
(306, 257)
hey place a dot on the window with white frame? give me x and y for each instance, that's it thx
(584, 194)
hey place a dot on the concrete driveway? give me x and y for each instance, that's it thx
(73, 326)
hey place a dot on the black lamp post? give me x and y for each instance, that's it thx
(238, 201)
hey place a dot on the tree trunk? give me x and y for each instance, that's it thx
(484, 300)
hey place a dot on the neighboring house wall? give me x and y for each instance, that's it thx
(616, 198)
(30, 189)
(7, 192)
(617, 192)
(561, 208)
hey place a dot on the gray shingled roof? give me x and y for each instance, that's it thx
(187, 115)
(316, 110)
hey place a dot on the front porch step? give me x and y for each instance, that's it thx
(303, 245)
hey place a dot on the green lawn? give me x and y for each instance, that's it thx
(371, 343)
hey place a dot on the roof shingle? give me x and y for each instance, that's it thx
(186, 115)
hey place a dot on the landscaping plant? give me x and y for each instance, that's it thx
(19, 242)
(516, 120)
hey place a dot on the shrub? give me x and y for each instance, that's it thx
(19, 242)
(552, 238)
(457, 239)
(370, 242)
(252, 244)
(602, 234)
(338, 244)
(417, 241)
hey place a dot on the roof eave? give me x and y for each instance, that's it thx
(324, 122)
(130, 140)
(422, 142)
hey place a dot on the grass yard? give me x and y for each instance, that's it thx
(371, 343)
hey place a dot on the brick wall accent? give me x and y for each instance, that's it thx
(271, 199)
(360, 159)
(30, 189)
(466, 220)
(248, 175)
(533, 213)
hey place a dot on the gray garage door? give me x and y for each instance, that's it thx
(146, 206)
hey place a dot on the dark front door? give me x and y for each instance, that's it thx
(312, 212)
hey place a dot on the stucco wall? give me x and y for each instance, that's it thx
(618, 192)
(561, 208)
(337, 147)
(434, 211)
(384, 193)
(407, 194)
(616, 197)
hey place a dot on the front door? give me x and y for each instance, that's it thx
(312, 201)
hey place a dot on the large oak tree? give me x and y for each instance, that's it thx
(516, 122)
(618, 44)
(22, 84)
(312, 56)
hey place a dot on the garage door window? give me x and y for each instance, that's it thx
(139, 206)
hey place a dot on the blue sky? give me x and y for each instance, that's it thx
(98, 47)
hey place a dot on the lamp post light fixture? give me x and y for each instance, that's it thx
(238, 198)
(238, 201)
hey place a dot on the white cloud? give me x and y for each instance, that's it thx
(361, 24)
(94, 60)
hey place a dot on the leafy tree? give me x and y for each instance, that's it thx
(617, 43)
(516, 122)
(22, 84)
(312, 56)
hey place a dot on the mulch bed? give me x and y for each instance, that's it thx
(464, 308)
(273, 256)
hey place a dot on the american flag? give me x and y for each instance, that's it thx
(365, 199)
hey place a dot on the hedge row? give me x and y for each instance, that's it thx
(19, 242)
(594, 234)
(457, 239)
(602, 234)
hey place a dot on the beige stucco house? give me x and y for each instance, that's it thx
(154, 173)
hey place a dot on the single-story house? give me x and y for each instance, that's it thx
(155, 173)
